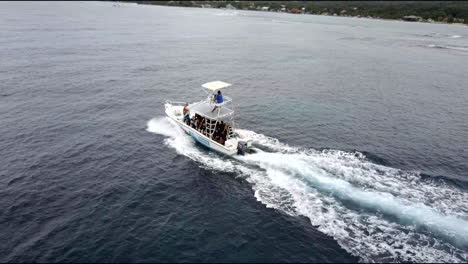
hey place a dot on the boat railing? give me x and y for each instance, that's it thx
(226, 100)
(224, 115)
(175, 103)
(229, 113)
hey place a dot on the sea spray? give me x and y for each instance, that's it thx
(374, 212)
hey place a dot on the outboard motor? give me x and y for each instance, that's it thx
(242, 148)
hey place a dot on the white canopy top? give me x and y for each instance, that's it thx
(216, 85)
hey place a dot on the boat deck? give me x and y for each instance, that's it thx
(230, 146)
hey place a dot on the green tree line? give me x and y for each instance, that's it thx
(441, 11)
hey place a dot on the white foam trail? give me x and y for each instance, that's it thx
(227, 13)
(455, 36)
(372, 211)
(285, 21)
(303, 167)
(447, 47)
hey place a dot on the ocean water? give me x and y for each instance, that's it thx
(360, 127)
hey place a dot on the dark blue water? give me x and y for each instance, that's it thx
(361, 124)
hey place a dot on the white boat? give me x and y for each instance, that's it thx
(232, 143)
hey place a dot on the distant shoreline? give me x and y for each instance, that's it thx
(372, 18)
(290, 11)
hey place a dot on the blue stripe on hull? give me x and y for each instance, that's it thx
(202, 140)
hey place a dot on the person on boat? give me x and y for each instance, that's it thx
(216, 132)
(225, 129)
(199, 123)
(217, 136)
(219, 100)
(186, 113)
(195, 123)
(192, 121)
(223, 132)
(220, 128)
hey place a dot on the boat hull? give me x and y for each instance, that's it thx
(175, 113)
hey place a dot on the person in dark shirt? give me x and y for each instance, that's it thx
(201, 125)
(222, 134)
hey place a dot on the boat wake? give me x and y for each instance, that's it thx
(459, 48)
(227, 13)
(374, 212)
(281, 21)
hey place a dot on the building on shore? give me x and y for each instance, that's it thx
(283, 8)
(295, 11)
(412, 18)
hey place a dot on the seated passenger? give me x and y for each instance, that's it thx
(224, 132)
(202, 123)
(225, 128)
(219, 98)
(192, 122)
(217, 136)
(220, 138)
(221, 126)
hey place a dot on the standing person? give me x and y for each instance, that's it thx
(201, 125)
(186, 113)
(219, 99)
(225, 131)
(222, 132)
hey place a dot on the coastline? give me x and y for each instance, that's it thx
(425, 21)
